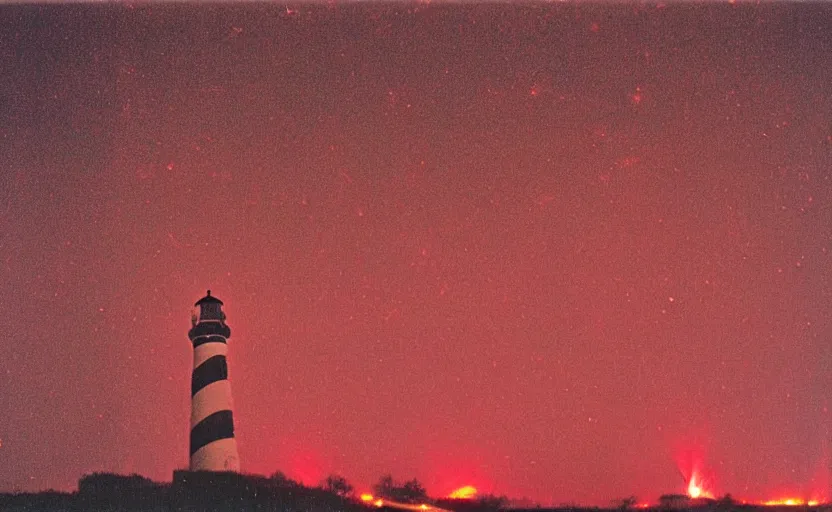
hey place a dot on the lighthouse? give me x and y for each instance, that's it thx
(213, 447)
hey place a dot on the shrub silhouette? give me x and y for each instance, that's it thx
(338, 485)
(409, 492)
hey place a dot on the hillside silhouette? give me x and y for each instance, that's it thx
(212, 491)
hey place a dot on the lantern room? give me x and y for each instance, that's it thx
(210, 310)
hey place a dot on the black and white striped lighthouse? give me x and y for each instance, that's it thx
(213, 447)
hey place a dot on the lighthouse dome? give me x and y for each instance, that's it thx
(210, 309)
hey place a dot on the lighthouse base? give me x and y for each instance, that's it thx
(220, 455)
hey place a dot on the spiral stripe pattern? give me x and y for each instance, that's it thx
(212, 443)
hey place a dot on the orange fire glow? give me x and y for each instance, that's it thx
(790, 502)
(696, 489)
(700, 484)
(378, 502)
(464, 493)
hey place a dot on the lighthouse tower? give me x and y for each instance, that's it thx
(213, 447)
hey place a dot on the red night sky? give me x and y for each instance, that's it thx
(547, 250)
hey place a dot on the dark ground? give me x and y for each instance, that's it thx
(235, 492)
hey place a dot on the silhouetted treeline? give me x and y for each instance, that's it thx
(107, 491)
(208, 491)
(50, 501)
(195, 491)
(189, 491)
(411, 491)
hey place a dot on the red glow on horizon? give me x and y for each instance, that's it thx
(473, 291)
(696, 487)
(789, 502)
(809, 496)
(305, 464)
(450, 470)
(698, 482)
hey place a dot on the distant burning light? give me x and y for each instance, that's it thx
(468, 492)
(700, 484)
(790, 502)
(787, 501)
(378, 502)
(696, 489)
(698, 481)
